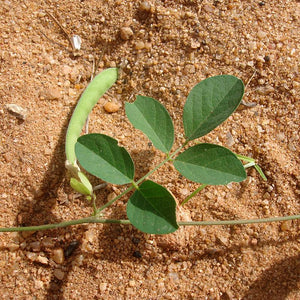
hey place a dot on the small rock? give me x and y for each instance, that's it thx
(66, 70)
(292, 147)
(286, 225)
(26, 234)
(103, 286)
(17, 110)
(111, 107)
(189, 69)
(59, 274)
(35, 246)
(265, 90)
(139, 45)
(48, 242)
(145, 6)
(12, 247)
(261, 34)
(173, 275)
(131, 283)
(126, 33)
(229, 139)
(50, 94)
(58, 255)
(223, 240)
(42, 259)
(137, 254)
(38, 284)
(135, 240)
(71, 248)
(195, 44)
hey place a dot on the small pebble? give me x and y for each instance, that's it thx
(26, 234)
(71, 248)
(38, 284)
(42, 259)
(139, 45)
(229, 139)
(135, 240)
(126, 33)
(50, 94)
(292, 147)
(111, 107)
(58, 255)
(17, 110)
(137, 254)
(145, 6)
(12, 247)
(261, 34)
(265, 90)
(131, 283)
(103, 286)
(35, 246)
(59, 274)
(286, 225)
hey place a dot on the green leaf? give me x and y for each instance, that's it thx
(152, 118)
(210, 164)
(209, 103)
(101, 156)
(152, 209)
(83, 186)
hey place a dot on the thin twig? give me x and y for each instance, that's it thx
(253, 103)
(52, 41)
(61, 27)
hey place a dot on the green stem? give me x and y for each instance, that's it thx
(135, 184)
(113, 200)
(94, 204)
(260, 172)
(194, 193)
(237, 222)
(168, 158)
(95, 219)
(245, 158)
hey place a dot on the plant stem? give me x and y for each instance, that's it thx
(245, 158)
(92, 219)
(94, 204)
(113, 200)
(95, 219)
(200, 188)
(168, 158)
(237, 222)
(135, 184)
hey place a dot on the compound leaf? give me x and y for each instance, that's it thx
(210, 164)
(152, 118)
(101, 156)
(209, 103)
(152, 209)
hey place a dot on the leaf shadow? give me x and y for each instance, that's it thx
(277, 282)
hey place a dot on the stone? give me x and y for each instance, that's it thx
(17, 110)
(145, 6)
(111, 107)
(126, 33)
(59, 274)
(58, 255)
(50, 94)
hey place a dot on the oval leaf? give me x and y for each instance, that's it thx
(101, 156)
(210, 164)
(209, 103)
(152, 209)
(152, 118)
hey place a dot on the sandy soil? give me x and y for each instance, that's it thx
(170, 46)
